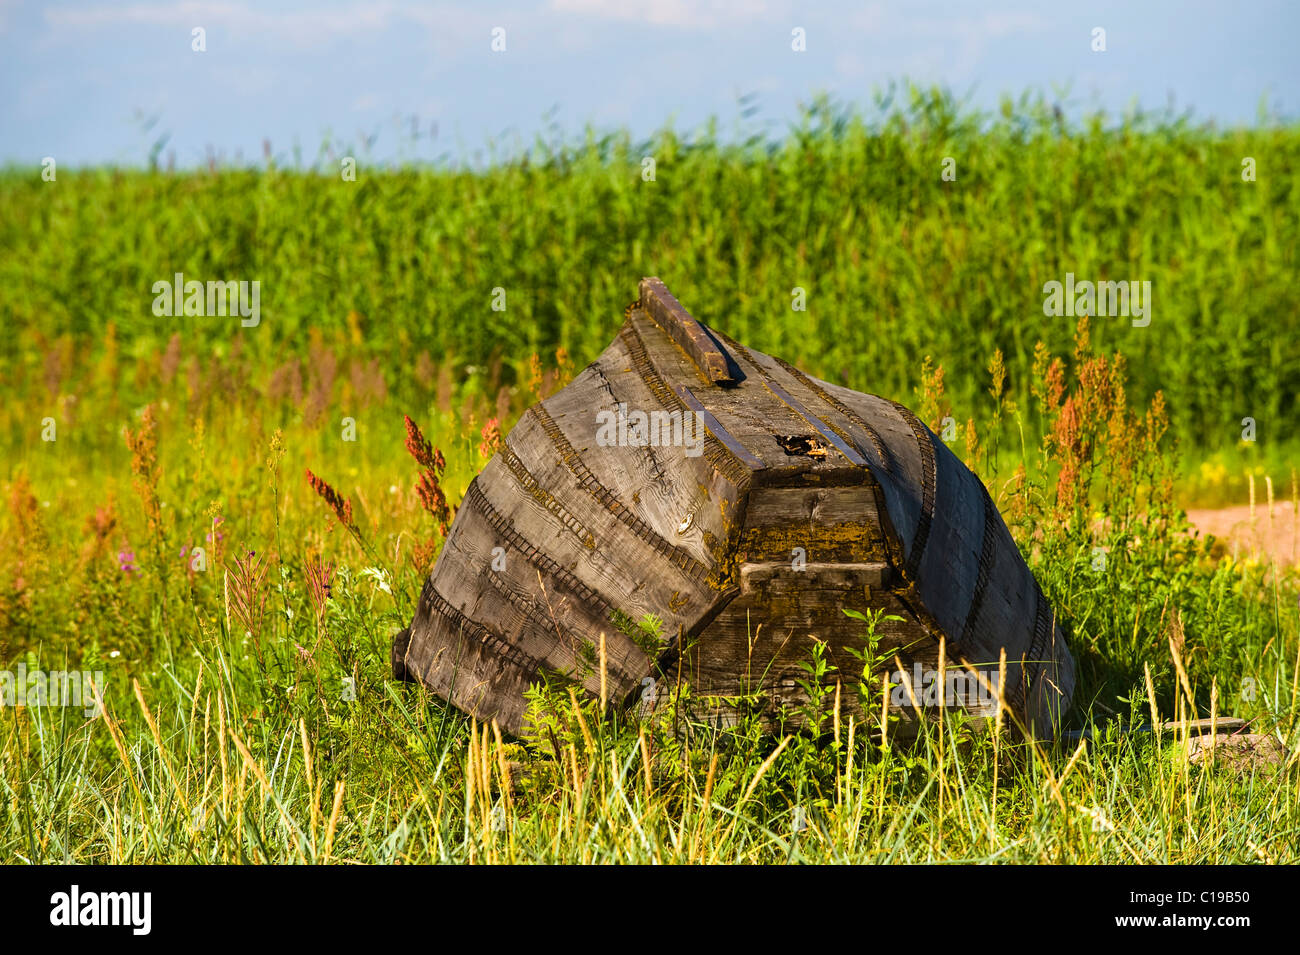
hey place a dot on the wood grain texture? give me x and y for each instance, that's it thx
(748, 538)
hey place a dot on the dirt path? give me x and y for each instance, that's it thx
(1234, 527)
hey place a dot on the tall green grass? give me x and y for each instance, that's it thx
(850, 206)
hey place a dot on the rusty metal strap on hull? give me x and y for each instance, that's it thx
(715, 428)
(925, 444)
(536, 559)
(716, 452)
(675, 556)
(988, 545)
(493, 642)
(475, 498)
(533, 489)
(882, 452)
(1035, 659)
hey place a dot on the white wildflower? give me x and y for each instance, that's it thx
(380, 577)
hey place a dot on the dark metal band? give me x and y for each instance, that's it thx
(988, 549)
(723, 459)
(842, 408)
(674, 555)
(544, 497)
(535, 557)
(436, 603)
(926, 445)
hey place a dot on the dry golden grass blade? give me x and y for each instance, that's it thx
(645, 765)
(311, 781)
(1151, 694)
(268, 792)
(604, 694)
(582, 723)
(115, 734)
(1175, 652)
(332, 826)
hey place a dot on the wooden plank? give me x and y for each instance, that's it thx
(811, 506)
(717, 430)
(615, 494)
(843, 576)
(757, 643)
(657, 361)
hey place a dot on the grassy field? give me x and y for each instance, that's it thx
(249, 715)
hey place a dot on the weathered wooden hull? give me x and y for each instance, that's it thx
(798, 500)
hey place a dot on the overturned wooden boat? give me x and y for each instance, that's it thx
(746, 505)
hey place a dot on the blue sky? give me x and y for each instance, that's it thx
(80, 80)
